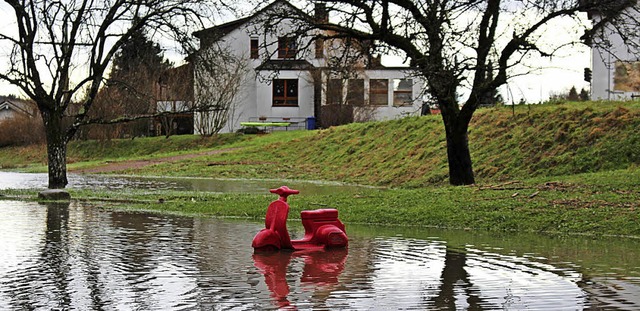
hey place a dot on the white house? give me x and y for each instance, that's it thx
(616, 64)
(291, 78)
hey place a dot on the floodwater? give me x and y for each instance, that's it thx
(76, 256)
(14, 180)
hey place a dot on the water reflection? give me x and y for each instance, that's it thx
(320, 272)
(51, 261)
(13, 180)
(76, 256)
(454, 280)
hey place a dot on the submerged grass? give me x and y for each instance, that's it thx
(577, 204)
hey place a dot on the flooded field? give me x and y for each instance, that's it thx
(79, 256)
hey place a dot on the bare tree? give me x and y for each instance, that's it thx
(62, 49)
(471, 47)
(219, 75)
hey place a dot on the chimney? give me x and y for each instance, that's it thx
(321, 13)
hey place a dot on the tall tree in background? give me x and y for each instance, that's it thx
(473, 46)
(584, 95)
(573, 94)
(130, 89)
(60, 51)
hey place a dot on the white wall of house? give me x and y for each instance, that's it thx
(604, 64)
(256, 98)
(238, 42)
(391, 110)
(264, 98)
(6, 112)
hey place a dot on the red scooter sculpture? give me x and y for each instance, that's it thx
(322, 227)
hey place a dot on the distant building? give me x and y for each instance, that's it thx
(616, 68)
(11, 108)
(175, 95)
(292, 79)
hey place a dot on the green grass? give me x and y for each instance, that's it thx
(534, 141)
(529, 141)
(568, 168)
(23, 156)
(146, 146)
(553, 140)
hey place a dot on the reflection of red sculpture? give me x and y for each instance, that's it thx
(322, 227)
(273, 265)
(321, 268)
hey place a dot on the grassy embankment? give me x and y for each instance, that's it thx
(570, 168)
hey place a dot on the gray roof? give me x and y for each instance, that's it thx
(17, 105)
(222, 30)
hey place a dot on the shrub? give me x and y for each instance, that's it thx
(21, 130)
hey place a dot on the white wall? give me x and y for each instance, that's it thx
(10, 110)
(255, 99)
(6, 113)
(256, 96)
(264, 98)
(390, 111)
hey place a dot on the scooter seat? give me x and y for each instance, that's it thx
(325, 214)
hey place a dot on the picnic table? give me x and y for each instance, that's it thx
(265, 126)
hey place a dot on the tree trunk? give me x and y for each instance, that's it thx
(56, 151)
(458, 154)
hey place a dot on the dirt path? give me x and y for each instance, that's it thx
(133, 164)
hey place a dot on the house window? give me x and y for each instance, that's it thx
(254, 48)
(285, 92)
(379, 92)
(355, 92)
(402, 92)
(287, 47)
(334, 92)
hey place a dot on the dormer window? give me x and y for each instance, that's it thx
(287, 47)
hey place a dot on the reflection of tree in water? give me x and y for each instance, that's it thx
(27, 288)
(89, 255)
(55, 254)
(455, 279)
(148, 248)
